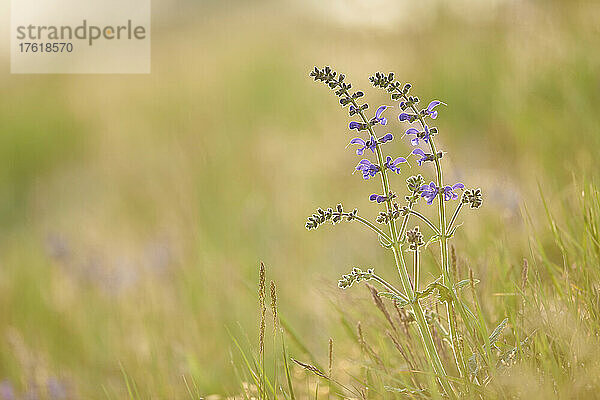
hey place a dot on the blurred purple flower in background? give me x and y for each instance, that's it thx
(56, 389)
(7, 392)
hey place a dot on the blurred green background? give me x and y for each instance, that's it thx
(134, 209)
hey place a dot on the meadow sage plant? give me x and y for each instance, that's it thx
(392, 223)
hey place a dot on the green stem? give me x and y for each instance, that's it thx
(391, 288)
(448, 279)
(425, 219)
(416, 269)
(374, 228)
(451, 224)
(424, 331)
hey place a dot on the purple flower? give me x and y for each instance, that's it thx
(377, 197)
(407, 117)
(428, 192)
(418, 135)
(394, 165)
(424, 156)
(430, 108)
(367, 168)
(380, 198)
(449, 193)
(378, 117)
(369, 144)
(359, 126)
(386, 138)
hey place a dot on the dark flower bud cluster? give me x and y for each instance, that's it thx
(394, 214)
(412, 199)
(355, 110)
(414, 238)
(333, 215)
(355, 276)
(472, 197)
(342, 90)
(410, 102)
(383, 81)
(414, 182)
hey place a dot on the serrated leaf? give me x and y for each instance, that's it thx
(498, 331)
